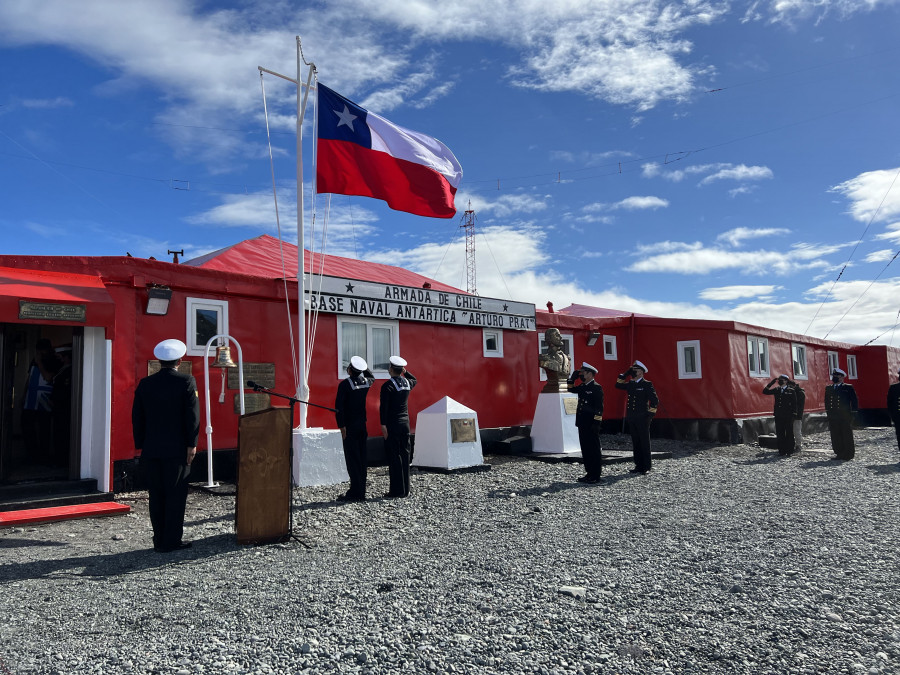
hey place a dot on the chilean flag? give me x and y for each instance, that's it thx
(361, 153)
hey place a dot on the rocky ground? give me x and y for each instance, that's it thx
(724, 559)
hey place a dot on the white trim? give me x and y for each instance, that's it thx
(834, 361)
(394, 327)
(96, 410)
(852, 370)
(805, 374)
(569, 340)
(612, 354)
(191, 305)
(753, 345)
(486, 333)
(683, 372)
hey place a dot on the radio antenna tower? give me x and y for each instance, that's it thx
(468, 222)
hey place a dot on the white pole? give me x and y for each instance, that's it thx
(209, 429)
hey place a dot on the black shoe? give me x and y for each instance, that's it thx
(177, 547)
(594, 480)
(643, 472)
(584, 479)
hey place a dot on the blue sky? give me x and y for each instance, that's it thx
(687, 159)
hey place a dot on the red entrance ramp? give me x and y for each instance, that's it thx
(53, 513)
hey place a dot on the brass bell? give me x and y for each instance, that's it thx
(223, 358)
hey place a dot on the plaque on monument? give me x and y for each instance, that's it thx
(462, 430)
(261, 373)
(252, 403)
(571, 405)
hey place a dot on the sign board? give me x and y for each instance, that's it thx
(51, 311)
(371, 300)
(252, 403)
(261, 373)
(571, 405)
(462, 430)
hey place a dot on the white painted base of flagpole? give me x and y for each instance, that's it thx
(435, 446)
(318, 458)
(553, 430)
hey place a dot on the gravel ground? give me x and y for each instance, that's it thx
(724, 559)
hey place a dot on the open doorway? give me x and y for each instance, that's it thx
(40, 371)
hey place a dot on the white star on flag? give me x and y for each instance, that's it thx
(346, 118)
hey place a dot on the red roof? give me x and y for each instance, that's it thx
(262, 257)
(597, 312)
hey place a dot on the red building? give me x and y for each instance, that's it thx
(479, 351)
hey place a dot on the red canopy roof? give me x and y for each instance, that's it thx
(597, 312)
(262, 257)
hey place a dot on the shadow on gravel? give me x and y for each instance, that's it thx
(762, 458)
(10, 542)
(116, 564)
(821, 463)
(560, 486)
(884, 469)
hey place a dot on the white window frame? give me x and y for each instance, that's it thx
(394, 326)
(753, 343)
(193, 304)
(569, 341)
(797, 350)
(612, 354)
(683, 373)
(833, 362)
(486, 334)
(852, 370)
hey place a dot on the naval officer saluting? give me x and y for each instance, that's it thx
(350, 415)
(588, 417)
(639, 412)
(395, 425)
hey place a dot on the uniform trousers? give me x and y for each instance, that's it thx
(896, 421)
(355, 457)
(167, 485)
(841, 427)
(784, 434)
(396, 447)
(639, 427)
(591, 452)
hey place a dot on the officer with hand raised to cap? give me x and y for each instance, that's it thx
(639, 412)
(350, 415)
(395, 425)
(588, 418)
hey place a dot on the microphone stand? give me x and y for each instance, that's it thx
(292, 400)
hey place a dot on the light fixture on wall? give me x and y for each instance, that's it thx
(158, 300)
(592, 338)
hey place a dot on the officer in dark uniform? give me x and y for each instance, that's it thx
(893, 406)
(785, 412)
(395, 425)
(350, 407)
(588, 417)
(639, 412)
(165, 420)
(840, 404)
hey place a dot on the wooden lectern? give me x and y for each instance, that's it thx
(263, 504)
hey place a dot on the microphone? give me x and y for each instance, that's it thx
(253, 385)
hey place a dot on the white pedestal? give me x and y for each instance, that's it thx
(447, 436)
(553, 430)
(319, 458)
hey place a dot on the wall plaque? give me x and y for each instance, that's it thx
(252, 403)
(462, 430)
(261, 373)
(184, 367)
(570, 404)
(51, 311)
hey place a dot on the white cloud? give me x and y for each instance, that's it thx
(741, 172)
(874, 195)
(880, 256)
(504, 204)
(788, 11)
(640, 203)
(58, 102)
(891, 233)
(739, 235)
(735, 292)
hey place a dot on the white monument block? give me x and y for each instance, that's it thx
(318, 458)
(553, 429)
(447, 436)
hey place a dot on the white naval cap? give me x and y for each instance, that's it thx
(358, 363)
(587, 366)
(398, 361)
(640, 365)
(838, 371)
(783, 377)
(170, 350)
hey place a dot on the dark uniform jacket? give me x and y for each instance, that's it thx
(840, 399)
(642, 398)
(590, 403)
(394, 396)
(165, 417)
(786, 403)
(350, 402)
(893, 402)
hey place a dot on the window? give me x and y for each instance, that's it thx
(492, 342)
(689, 360)
(798, 355)
(851, 367)
(375, 341)
(609, 347)
(567, 348)
(832, 362)
(205, 318)
(758, 356)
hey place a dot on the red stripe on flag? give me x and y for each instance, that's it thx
(349, 169)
